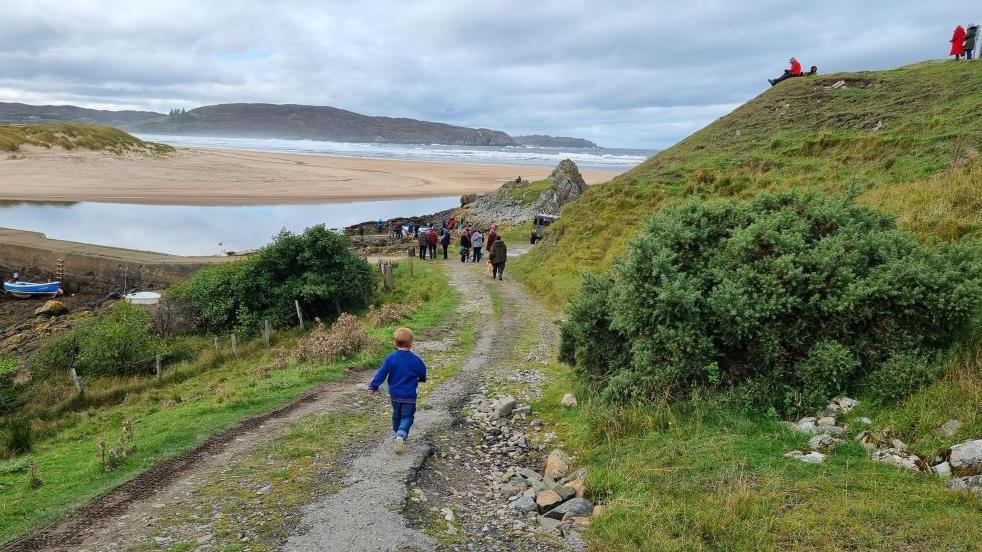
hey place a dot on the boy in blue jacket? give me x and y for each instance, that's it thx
(403, 370)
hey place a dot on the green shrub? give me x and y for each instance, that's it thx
(20, 437)
(315, 267)
(118, 343)
(802, 294)
(8, 391)
(901, 375)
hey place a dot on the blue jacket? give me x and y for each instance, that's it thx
(403, 370)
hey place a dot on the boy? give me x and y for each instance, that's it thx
(403, 370)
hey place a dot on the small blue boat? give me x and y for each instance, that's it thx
(32, 289)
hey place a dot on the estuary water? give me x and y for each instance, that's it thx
(198, 230)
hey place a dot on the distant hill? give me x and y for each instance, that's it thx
(316, 123)
(291, 122)
(545, 141)
(908, 139)
(31, 114)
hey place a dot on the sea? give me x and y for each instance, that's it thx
(609, 159)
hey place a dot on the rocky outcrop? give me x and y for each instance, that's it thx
(516, 202)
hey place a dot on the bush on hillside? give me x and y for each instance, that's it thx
(315, 267)
(800, 295)
(118, 343)
(345, 337)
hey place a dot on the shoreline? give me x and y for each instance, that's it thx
(207, 176)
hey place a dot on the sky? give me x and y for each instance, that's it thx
(638, 74)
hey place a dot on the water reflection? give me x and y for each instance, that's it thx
(198, 230)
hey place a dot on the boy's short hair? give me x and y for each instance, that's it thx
(403, 337)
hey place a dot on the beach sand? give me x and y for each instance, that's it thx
(235, 177)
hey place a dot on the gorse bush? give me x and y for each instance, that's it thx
(315, 267)
(798, 296)
(118, 343)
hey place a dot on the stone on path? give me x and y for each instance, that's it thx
(966, 458)
(574, 507)
(504, 406)
(547, 499)
(568, 400)
(558, 464)
(523, 504)
(578, 487)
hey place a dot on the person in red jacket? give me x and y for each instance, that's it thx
(793, 71)
(431, 240)
(492, 236)
(958, 43)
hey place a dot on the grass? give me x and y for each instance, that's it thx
(526, 193)
(72, 136)
(798, 135)
(193, 401)
(707, 475)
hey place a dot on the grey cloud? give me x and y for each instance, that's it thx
(631, 73)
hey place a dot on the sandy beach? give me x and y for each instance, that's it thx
(235, 177)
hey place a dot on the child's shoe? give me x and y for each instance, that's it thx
(399, 445)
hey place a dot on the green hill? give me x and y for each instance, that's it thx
(72, 136)
(906, 140)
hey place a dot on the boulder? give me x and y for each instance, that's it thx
(578, 487)
(966, 458)
(971, 484)
(825, 421)
(805, 425)
(824, 442)
(547, 499)
(504, 406)
(942, 470)
(813, 457)
(548, 523)
(842, 404)
(558, 464)
(51, 308)
(565, 492)
(898, 458)
(950, 428)
(568, 400)
(523, 504)
(574, 507)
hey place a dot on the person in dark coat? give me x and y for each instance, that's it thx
(971, 36)
(465, 245)
(445, 241)
(423, 246)
(498, 257)
(793, 71)
(431, 240)
(958, 42)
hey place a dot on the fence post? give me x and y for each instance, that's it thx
(235, 349)
(299, 314)
(218, 350)
(79, 384)
(157, 361)
(266, 332)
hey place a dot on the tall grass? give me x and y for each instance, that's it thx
(72, 136)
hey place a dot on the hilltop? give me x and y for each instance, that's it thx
(905, 140)
(36, 114)
(72, 136)
(546, 141)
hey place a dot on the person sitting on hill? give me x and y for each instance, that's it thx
(971, 36)
(793, 71)
(957, 43)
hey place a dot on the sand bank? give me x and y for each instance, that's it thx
(232, 177)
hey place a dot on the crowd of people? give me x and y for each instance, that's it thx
(473, 244)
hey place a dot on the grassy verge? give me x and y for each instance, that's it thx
(707, 475)
(194, 401)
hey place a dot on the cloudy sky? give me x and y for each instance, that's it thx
(622, 73)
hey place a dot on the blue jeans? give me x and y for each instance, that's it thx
(402, 417)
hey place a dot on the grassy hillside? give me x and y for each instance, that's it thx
(906, 140)
(72, 136)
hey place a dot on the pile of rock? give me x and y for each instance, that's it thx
(513, 439)
(962, 461)
(825, 429)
